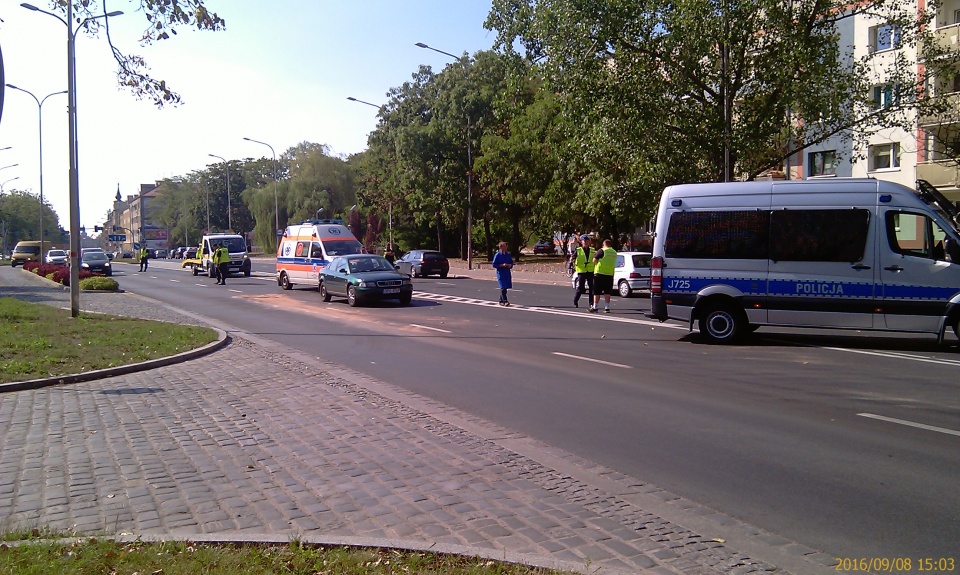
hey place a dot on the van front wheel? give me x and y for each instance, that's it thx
(722, 323)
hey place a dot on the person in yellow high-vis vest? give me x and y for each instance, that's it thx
(583, 266)
(606, 264)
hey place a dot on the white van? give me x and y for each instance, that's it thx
(837, 253)
(307, 248)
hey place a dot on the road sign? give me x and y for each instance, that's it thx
(136, 245)
(116, 237)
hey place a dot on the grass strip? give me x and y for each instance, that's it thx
(38, 341)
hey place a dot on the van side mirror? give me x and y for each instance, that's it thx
(952, 249)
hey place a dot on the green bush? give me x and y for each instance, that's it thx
(99, 284)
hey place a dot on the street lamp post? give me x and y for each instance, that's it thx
(397, 170)
(319, 211)
(469, 166)
(40, 142)
(72, 124)
(6, 181)
(276, 205)
(229, 211)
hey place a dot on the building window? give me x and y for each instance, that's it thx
(884, 37)
(885, 157)
(884, 96)
(823, 163)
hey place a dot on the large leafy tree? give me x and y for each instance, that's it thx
(20, 219)
(699, 90)
(163, 18)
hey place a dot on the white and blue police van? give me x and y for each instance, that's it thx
(849, 253)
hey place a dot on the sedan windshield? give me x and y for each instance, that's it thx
(373, 264)
(95, 257)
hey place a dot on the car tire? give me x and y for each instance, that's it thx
(352, 296)
(211, 272)
(722, 323)
(406, 299)
(413, 272)
(324, 294)
(624, 288)
(196, 271)
(443, 275)
(285, 281)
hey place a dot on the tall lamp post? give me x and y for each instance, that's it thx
(226, 168)
(397, 150)
(276, 205)
(469, 166)
(40, 142)
(72, 123)
(6, 182)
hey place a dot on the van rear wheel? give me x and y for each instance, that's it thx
(722, 323)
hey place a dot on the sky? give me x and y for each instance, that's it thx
(280, 73)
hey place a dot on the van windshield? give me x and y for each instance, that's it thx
(342, 247)
(234, 245)
(34, 250)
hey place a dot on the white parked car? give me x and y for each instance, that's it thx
(56, 257)
(632, 273)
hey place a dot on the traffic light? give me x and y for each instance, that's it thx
(97, 228)
(116, 228)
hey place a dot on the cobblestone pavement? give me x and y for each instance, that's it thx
(254, 444)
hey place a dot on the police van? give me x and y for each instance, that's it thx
(854, 253)
(307, 248)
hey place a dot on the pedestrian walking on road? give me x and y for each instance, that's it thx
(582, 260)
(503, 263)
(223, 264)
(144, 259)
(605, 264)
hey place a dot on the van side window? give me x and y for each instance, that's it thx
(316, 252)
(718, 235)
(915, 235)
(818, 235)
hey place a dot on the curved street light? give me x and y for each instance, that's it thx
(5, 183)
(40, 142)
(396, 147)
(72, 124)
(469, 165)
(276, 205)
(10, 166)
(229, 211)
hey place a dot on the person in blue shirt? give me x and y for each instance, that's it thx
(503, 263)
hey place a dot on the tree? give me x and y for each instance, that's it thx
(716, 83)
(163, 19)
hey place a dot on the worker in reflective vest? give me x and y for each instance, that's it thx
(606, 264)
(583, 266)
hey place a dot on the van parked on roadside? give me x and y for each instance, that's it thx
(834, 253)
(305, 249)
(27, 251)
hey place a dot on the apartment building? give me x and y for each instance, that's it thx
(895, 154)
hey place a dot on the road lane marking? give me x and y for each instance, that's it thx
(911, 424)
(234, 290)
(519, 307)
(897, 355)
(175, 281)
(580, 357)
(430, 328)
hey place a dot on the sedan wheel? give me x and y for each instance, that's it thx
(352, 296)
(624, 288)
(324, 293)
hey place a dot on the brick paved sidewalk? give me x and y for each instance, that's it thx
(251, 443)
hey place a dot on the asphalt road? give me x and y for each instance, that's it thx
(844, 442)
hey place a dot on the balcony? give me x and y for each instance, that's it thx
(940, 174)
(948, 37)
(953, 101)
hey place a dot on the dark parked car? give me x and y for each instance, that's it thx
(96, 262)
(364, 277)
(545, 247)
(421, 263)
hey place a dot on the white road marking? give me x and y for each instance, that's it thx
(430, 328)
(445, 284)
(579, 357)
(234, 290)
(569, 313)
(898, 355)
(176, 281)
(911, 424)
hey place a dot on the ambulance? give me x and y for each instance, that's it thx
(307, 248)
(845, 253)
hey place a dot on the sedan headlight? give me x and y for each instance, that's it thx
(361, 283)
(85, 265)
(106, 265)
(406, 281)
